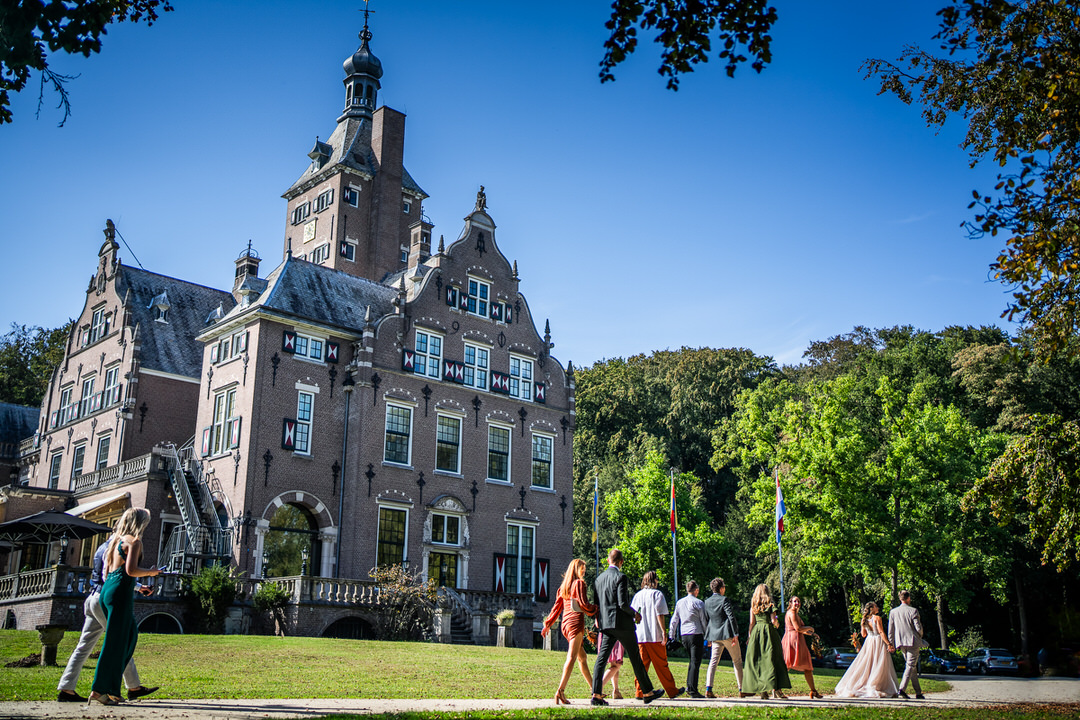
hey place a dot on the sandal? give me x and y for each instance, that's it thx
(101, 698)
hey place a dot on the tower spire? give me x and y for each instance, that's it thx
(362, 73)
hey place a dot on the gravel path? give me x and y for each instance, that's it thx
(966, 692)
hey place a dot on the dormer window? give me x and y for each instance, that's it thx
(160, 307)
(161, 314)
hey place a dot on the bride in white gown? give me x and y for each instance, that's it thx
(872, 675)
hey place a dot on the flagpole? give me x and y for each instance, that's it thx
(674, 553)
(781, 510)
(596, 519)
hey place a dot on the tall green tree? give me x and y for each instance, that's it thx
(641, 513)
(28, 356)
(32, 29)
(1011, 70)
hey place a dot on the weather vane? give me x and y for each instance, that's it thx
(365, 34)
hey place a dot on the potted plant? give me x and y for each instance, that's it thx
(505, 617)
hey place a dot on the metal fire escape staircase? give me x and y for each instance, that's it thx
(201, 539)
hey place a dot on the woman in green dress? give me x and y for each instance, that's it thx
(764, 669)
(118, 601)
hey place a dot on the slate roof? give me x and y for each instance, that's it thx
(351, 148)
(170, 346)
(17, 422)
(322, 295)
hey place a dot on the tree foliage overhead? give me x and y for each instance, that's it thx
(32, 29)
(1011, 70)
(685, 30)
(28, 356)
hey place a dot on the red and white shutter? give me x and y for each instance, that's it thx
(500, 572)
(288, 434)
(333, 350)
(206, 441)
(540, 395)
(542, 568)
(288, 342)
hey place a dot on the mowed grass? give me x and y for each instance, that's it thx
(897, 711)
(254, 666)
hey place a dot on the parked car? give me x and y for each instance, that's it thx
(845, 656)
(988, 660)
(829, 658)
(932, 660)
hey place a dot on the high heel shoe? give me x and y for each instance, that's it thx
(103, 699)
(560, 697)
(616, 695)
(779, 695)
(815, 695)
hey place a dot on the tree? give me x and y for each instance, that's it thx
(1011, 69)
(641, 513)
(31, 29)
(28, 356)
(685, 30)
(1038, 479)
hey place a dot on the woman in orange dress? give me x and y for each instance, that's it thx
(571, 593)
(796, 654)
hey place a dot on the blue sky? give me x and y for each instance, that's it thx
(764, 212)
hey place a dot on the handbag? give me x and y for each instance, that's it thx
(674, 641)
(575, 605)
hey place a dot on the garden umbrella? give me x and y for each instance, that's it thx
(49, 526)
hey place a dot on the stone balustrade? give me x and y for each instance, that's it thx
(129, 469)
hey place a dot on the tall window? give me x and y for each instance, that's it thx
(476, 367)
(68, 410)
(541, 461)
(86, 404)
(324, 200)
(77, 460)
(478, 297)
(54, 470)
(99, 325)
(393, 524)
(304, 403)
(445, 529)
(112, 386)
(221, 429)
(428, 354)
(498, 453)
(103, 452)
(520, 544)
(448, 444)
(398, 431)
(521, 374)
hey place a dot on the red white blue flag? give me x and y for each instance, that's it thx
(672, 503)
(781, 510)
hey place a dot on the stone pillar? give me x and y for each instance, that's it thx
(50, 635)
(506, 636)
(261, 528)
(442, 625)
(481, 623)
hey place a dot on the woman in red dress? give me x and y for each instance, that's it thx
(571, 603)
(796, 654)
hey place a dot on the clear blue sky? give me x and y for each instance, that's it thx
(762, 212)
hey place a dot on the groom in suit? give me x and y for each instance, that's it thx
(616, 619)
(906, 635)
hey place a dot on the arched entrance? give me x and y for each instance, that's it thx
(293, 529)
(350, 628)
(161, 623)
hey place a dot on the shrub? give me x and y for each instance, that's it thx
(971, 639)
(505, 616)
(212, 591)
(272, 598)
(406, 604)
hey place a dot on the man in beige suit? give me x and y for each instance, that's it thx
(906, 635)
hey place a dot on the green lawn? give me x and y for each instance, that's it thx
(253, 666)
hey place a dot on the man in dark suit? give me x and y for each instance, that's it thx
(616, 619)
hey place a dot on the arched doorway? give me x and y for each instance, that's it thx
(350, 628)
(292, 531)
(161, 623)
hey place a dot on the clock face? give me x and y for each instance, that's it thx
(309, 230)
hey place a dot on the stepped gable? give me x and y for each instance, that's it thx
(167, 346)
(318, 294)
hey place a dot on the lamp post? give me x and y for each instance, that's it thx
(63, 549)
(303, 565)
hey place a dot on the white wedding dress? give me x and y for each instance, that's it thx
(872, 675)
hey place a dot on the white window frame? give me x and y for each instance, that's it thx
(456, 442)
(351, 196)
(305, 411)
(477, 372)
(112, 386)
(522, 372)
(78, 459)
(406, 205)
(301, 213)
(56, 460)
(313, 348)
(479, 302)
(320, 254)
(427, 361)
(533, 460)
(509, 450)
(394, 507)
(409, 434)
(446, 517)
(324, 200)
(99, 325)
(221, 422)
(104, 442)
(68, 410)
(348, 250)
(86, 401)
(532, 557)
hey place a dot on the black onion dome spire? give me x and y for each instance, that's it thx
(362, 73)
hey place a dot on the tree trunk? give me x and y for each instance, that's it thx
(1023, 613)
(941, 622)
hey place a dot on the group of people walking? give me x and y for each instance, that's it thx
(634, 629)
(110, 609)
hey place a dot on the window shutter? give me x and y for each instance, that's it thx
(453, 371)
(97, 402)
(243, 340)
(288, 434)
(500, 383)
(500, 572)
(288, 342)
(408, 360)
(215, 349)
(508, 313)
(497, 311)
(234, 435)
(451, 296)
(463, 300)
(206, 441)
(540, 392)
(52, 419)
(332, 350)
(542, 570)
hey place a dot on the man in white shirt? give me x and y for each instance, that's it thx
(689, 618)
(649, 602)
